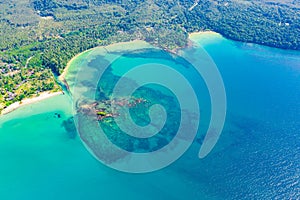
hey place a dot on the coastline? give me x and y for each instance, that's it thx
(63, 75)
(190, 42)
(201, 33)
(111, 47)
(204, 36)
(28, 101)
(133, 45)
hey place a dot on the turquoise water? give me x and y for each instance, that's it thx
(257, 156)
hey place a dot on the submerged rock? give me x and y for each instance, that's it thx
(70, 127)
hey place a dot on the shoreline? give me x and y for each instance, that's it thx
(111, 47)
(62, 77)
(190, 42)
(28, 101)
(200, 33)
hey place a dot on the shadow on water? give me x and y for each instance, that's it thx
(70, 127)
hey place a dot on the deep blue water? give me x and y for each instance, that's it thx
(257, 156)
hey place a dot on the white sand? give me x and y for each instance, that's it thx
(42, 96)
(195, 34)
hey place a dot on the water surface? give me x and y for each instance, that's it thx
(257, 156)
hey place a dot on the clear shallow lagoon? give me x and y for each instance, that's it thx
(257, 156)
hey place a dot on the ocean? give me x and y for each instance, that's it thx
(256, 157)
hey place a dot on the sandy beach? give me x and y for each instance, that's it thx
(63, 75)
(131, 45)
(203, 33)
(42, 96)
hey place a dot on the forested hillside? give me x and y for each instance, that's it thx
(39, 37)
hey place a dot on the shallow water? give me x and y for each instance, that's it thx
(257, 156)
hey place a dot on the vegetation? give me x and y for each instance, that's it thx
(39, 37)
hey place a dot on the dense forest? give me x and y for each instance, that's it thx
(39, 37)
